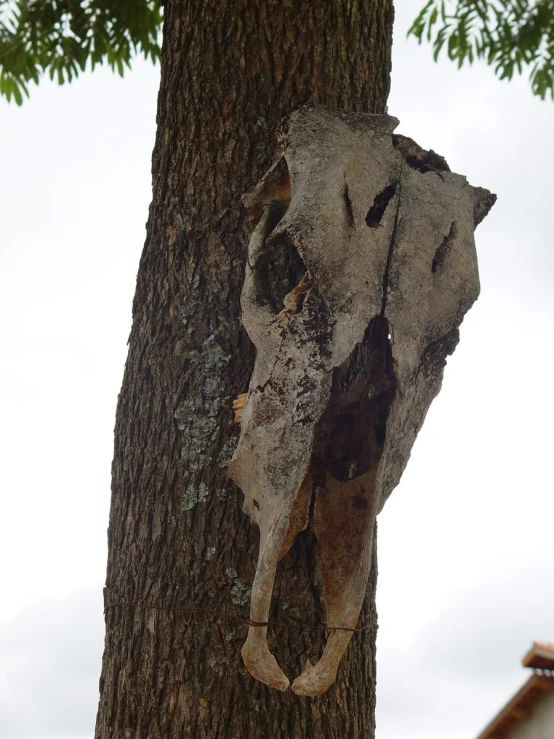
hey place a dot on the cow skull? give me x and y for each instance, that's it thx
(375, 238)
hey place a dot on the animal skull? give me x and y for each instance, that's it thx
(375, 236)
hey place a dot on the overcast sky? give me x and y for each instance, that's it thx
(466, 545)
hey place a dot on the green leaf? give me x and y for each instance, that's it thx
(18, 97)
(431, 23)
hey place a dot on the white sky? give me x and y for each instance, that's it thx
(466, 545)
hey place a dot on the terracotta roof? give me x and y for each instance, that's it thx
(540, 656)
(520, 707)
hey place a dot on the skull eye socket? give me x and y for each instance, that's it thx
(278, 272)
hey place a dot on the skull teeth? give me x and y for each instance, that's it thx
(238, 405)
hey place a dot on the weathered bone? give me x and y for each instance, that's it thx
(360, 269)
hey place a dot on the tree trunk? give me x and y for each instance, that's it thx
(181, 552)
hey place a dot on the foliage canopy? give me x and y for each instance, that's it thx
(62, 37)
(510, 35)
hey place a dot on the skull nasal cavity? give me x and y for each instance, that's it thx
(350, 435)
(377, 210)
(279, 273)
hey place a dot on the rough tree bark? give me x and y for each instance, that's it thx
(178, 539)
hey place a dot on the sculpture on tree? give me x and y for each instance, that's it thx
(360, 269)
